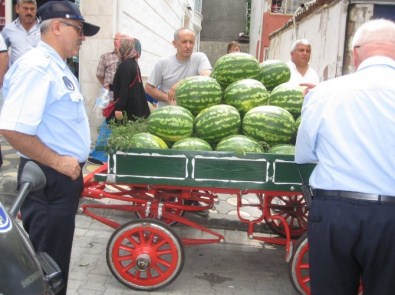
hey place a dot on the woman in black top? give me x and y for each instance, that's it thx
(128, 87)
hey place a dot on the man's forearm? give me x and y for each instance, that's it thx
(32, 147)
(156, 93)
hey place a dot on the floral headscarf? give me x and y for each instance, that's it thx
(129, 48)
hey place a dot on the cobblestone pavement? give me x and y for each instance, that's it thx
(238, 266)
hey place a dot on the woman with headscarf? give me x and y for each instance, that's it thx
(127, 85)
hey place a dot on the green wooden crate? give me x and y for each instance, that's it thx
(265, 172)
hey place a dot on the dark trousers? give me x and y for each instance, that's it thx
(48, 216)
(350, 240)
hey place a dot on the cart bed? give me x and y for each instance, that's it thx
(250, 172)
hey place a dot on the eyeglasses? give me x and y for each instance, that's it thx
(78, 29)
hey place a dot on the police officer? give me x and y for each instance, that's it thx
(44, 119)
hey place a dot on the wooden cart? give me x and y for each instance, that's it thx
(160, 185)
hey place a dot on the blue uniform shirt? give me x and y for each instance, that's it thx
(348, 126)
(42, 98)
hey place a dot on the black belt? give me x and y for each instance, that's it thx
(333, 194)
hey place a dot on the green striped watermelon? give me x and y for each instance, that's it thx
(171, 123)
(273, 73)
(239, 144)
(232, 67)
(192, 144)
(298, 120)
(216, 122)
(197, 93)
(282, 149)
(271, 124)
(288, 96)
(246, 94)
(147, 140)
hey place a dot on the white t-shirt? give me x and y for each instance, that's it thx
(297, 78)
(169, 70)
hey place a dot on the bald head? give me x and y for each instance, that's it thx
(374, 38)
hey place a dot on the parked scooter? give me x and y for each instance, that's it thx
(22, 271)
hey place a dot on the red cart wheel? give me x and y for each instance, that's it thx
(299, 267)
(145, 255)
(293, 209)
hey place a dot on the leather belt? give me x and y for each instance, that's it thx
(337, 195)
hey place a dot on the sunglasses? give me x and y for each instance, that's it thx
(78, 29)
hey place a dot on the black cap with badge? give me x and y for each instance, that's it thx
(68, 10)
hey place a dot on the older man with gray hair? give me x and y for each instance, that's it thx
(22, 34)
(301, 72)
(348, 128)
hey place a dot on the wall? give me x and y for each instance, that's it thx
(223, 20)
(152, 22)
(257, 9)
(325, 28)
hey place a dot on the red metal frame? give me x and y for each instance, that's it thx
(153, 201)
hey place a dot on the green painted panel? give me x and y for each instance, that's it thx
(264, 172)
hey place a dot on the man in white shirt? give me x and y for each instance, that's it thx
(301, 72)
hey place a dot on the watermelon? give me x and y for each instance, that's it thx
(246, 94)
(271, 124)
(282, 149)
(192, 144)
(216, 122)
(239, 144)
(236, 66)
(288, 96)
(147, 140)
(273, 73)
(171, 123)
(298, 120)
(197, 93)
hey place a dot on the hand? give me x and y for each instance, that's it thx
(306, 87)
(171, 95)
(118, 115)
(69, 166)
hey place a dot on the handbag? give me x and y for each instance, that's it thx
(109, 109)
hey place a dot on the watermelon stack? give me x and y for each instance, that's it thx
(288, 96)
(246, 94)
(271, 124)
(197, 93)
(171, 123)
(216, 122)
(239, 144)
(273, 73)
(147, 140)
(192, 144)
(282, 149)
(242, 107)
(233, 67)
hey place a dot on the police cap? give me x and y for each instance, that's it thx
(68, 10)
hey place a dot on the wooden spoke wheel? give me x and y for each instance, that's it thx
(293, 209)
(145, 255)
(299, 267)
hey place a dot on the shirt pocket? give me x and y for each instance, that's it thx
(72, 105)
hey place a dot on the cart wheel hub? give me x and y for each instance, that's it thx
(143, 262)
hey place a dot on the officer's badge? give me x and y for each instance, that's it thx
(68, 83)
